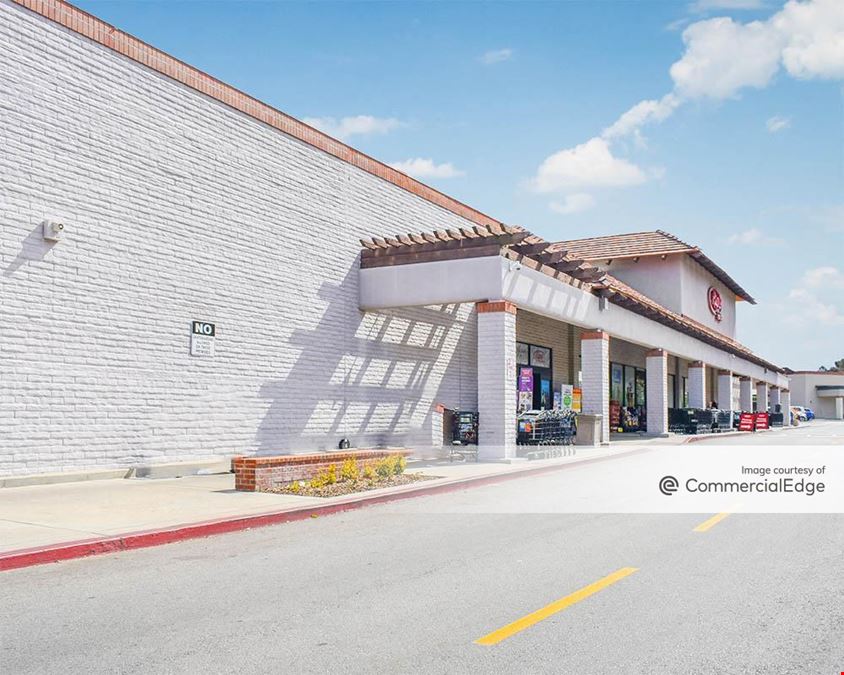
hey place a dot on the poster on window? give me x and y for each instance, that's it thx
(577, 400)
(522, 353)
(566, 397)
(540, 357)
(544, 394)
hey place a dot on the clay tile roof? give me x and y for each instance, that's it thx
(624, 246)
(643, 244)
(550, 258)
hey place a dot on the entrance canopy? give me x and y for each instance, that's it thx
(512, 264)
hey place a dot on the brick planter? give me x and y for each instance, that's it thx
(259, 474)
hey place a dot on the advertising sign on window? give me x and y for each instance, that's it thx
(540, 357)
(567, 393)
(577, 400)
(522, 353)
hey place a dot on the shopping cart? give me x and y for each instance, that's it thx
(546, 427)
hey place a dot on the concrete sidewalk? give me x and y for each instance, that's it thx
(46, 516)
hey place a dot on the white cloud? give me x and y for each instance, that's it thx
(575, 203)
(723, 56)
(753, 236)
(823, 277)
(494, 56)
(426, 168)
(777, 123)
(652, 110)
(359, 125)
(589, 164)
(707, 5)
(809, 308)
(815, 38)
(817, 299)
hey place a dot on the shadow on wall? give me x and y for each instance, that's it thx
(371, 377)
(33, 248)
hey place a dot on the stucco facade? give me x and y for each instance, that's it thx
(185, 201)
(821, 391)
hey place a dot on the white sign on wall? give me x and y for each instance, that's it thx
(202, 336)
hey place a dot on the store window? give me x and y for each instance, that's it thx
(672, 391)
(534, 383)
(628, 397)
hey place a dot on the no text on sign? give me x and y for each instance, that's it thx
(203, 328)
(202, 338)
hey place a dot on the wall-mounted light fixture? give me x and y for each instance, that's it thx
(52, 230)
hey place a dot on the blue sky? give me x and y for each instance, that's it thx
(510, 107)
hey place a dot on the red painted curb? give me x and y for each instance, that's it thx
(28, 557)
(731, 434)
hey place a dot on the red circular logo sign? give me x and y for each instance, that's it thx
(715, 302)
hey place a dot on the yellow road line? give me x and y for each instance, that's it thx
(712, 522)
(529, 620)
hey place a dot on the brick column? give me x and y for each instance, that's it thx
(656, 380)
(775, 398)
(595, 357)
(697, 385)
(785, 402)
(725, 390)
(496, 380)
(746, 394)
(761, 396)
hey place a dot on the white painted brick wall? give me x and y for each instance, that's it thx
(496, 384)
(179, 208)
(656, 380)
(595, 359)
(746, 395)
(761, 396)
(774, 398)
(785, 402)
(697, 387)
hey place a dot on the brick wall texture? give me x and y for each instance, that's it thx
(259, 474)
(177, 208)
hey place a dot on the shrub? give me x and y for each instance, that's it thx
(323, 478)
(350, 470)
(384, 467)
(369, 472)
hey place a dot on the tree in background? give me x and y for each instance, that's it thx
(837, 366)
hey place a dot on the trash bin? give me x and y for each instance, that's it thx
(589, 429)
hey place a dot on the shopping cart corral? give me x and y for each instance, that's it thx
(552, 430)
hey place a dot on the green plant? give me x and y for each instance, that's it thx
(323, 478)
(384, 467)
(350, 470)
(400, 464)
(331, 474)
(294, 487)
(369, 472)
